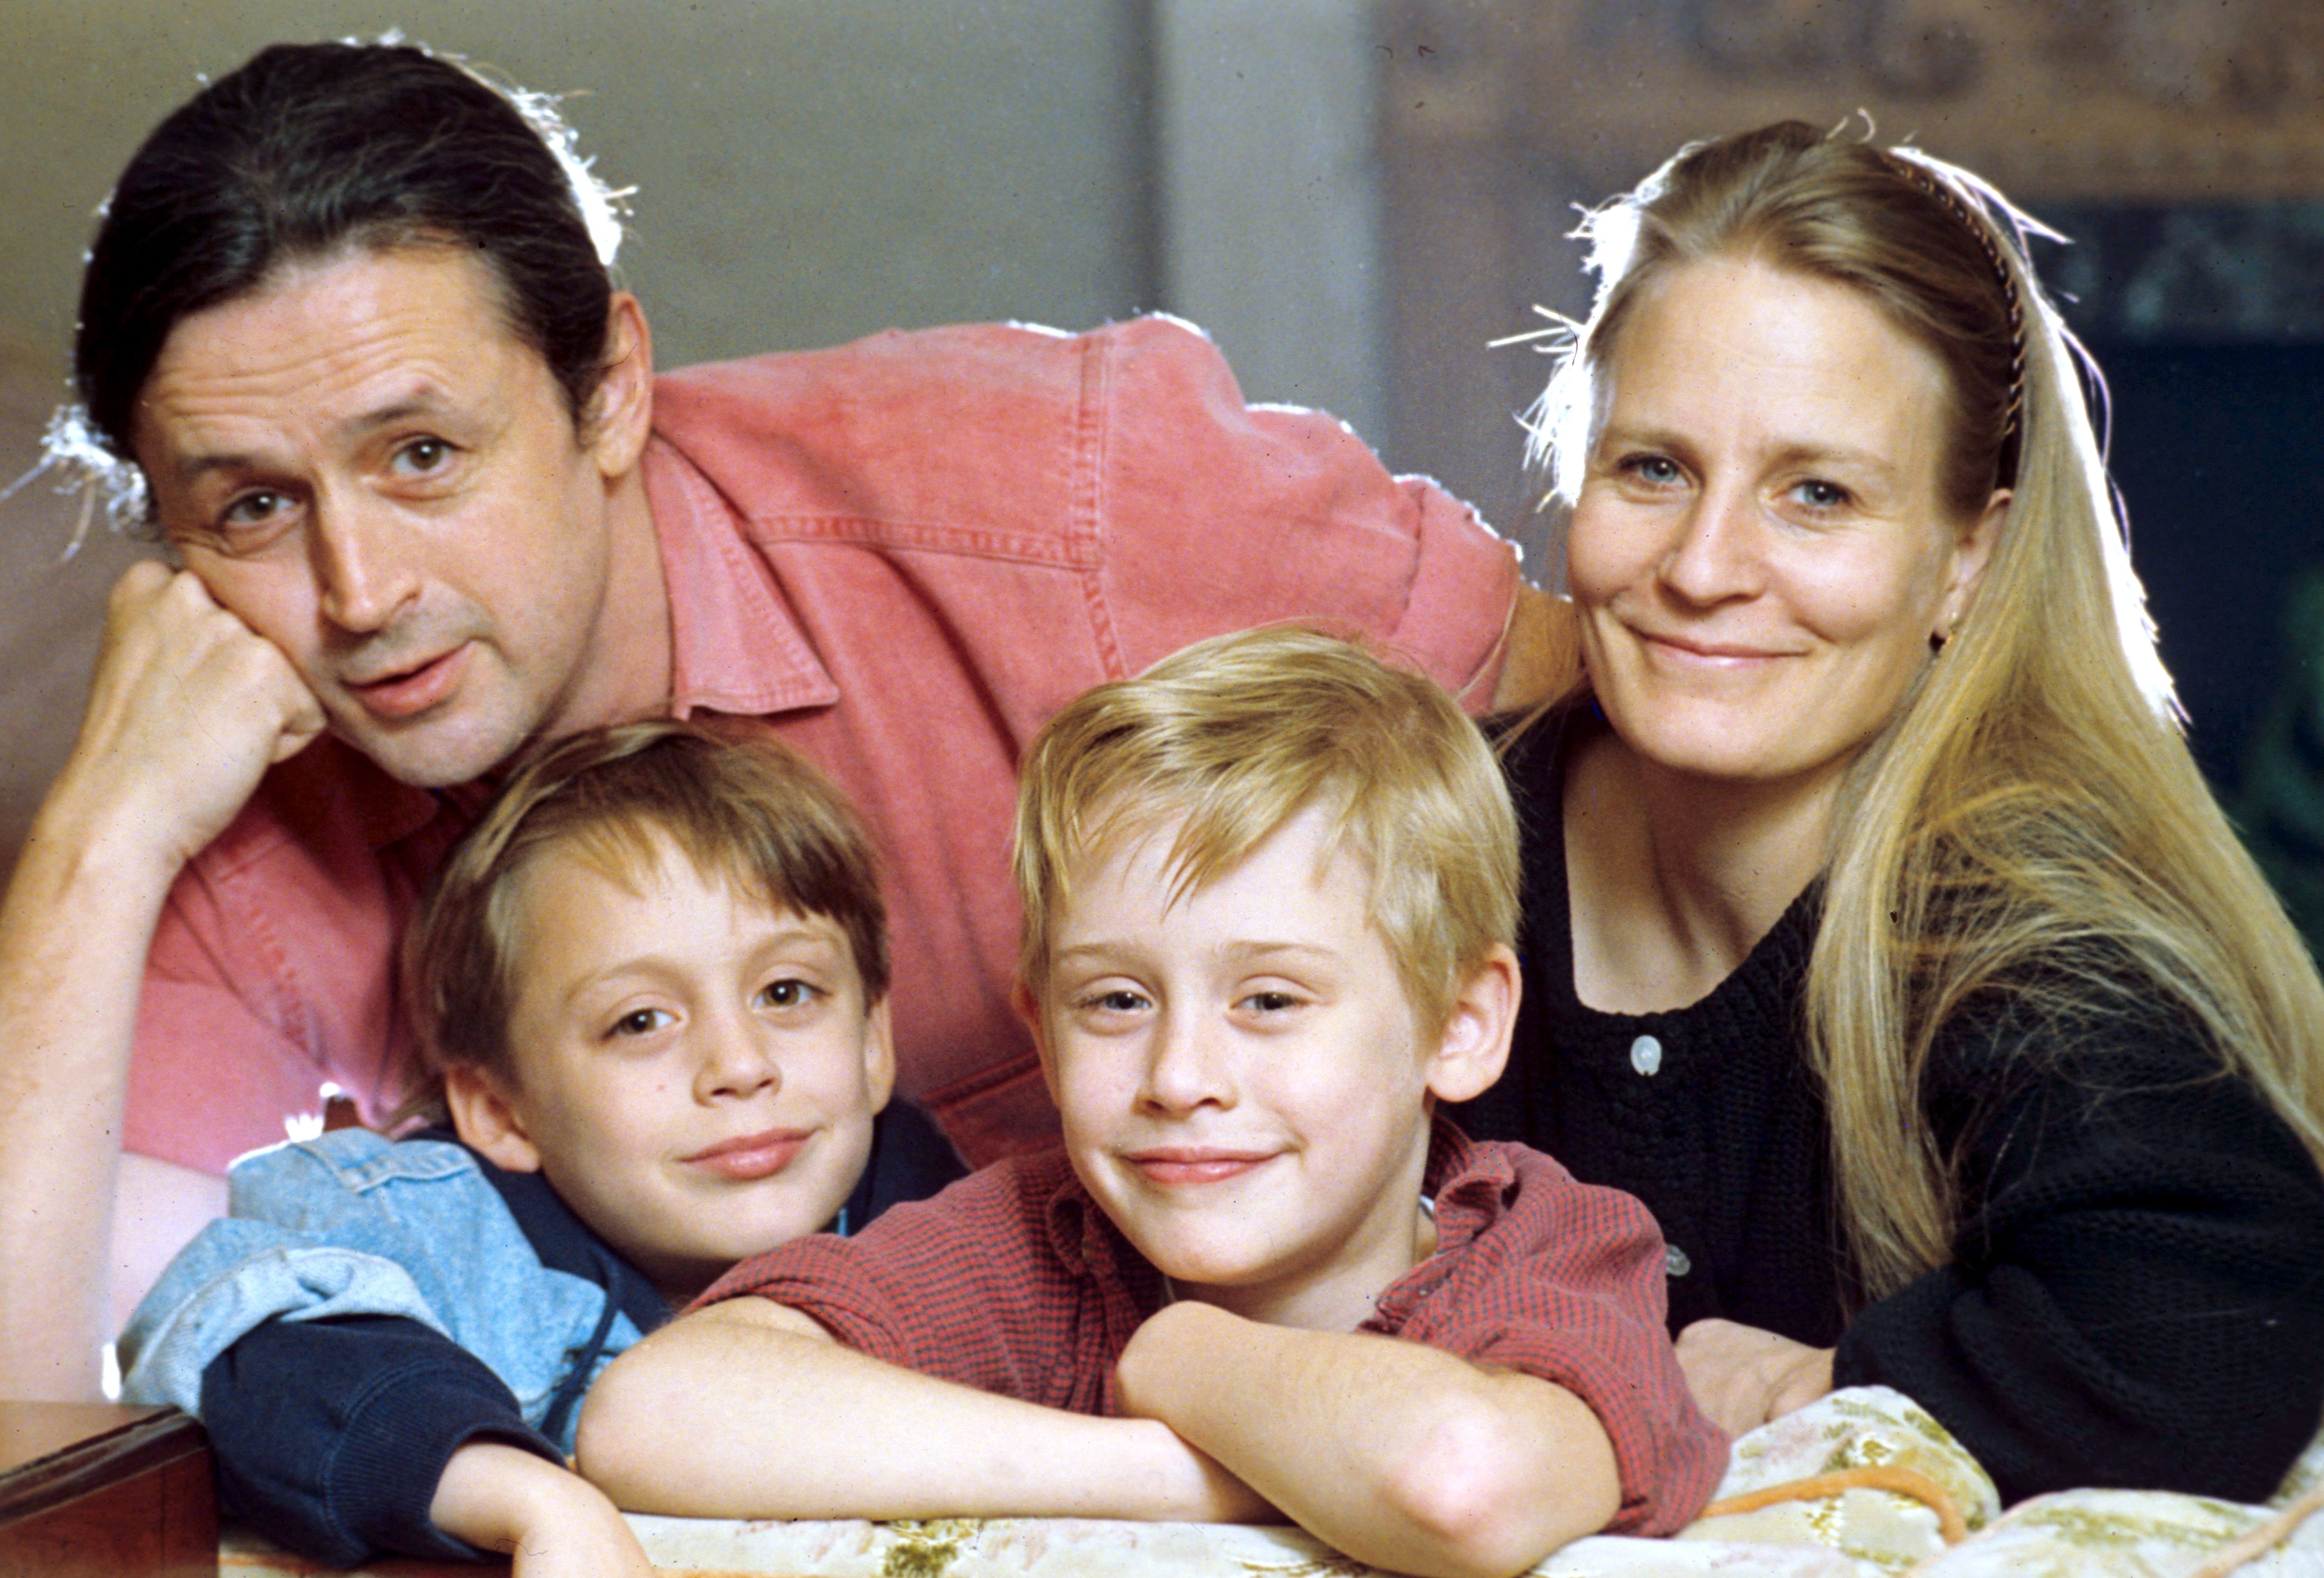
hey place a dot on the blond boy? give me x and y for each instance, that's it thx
(1269, 890)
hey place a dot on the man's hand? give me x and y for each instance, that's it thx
(187, 710)
(550, 1521)
(1742, 1376)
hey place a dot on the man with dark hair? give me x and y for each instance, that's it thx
(352, 325)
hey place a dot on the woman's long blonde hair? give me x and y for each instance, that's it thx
(2031, 822)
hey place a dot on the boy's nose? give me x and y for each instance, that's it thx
(1186, 1067)
(736, 1061)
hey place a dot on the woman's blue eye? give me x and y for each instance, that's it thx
(1821, 496)
(1659, 470)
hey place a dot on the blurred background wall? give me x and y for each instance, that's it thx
(1353, 197)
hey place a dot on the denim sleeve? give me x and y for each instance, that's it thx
(331, 1435)
(352, 1224)
(236, 1275)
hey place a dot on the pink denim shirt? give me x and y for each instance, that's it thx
(903, 555)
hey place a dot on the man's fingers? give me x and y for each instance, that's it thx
(187, 709)
(305, 723)
(140, 580)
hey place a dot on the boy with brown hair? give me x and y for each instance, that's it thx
(1270, 887)
(652, 987)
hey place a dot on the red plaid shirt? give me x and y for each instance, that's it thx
(1014, 1281)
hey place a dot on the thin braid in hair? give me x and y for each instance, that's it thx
(1942, 191)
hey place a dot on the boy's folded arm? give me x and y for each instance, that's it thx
(1401, 1455)
(750, 1409)
(332, 1436)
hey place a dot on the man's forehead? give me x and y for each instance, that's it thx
(327, 353)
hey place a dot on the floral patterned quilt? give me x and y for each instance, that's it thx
(1849, 1530)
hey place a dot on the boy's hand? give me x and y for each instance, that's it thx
(552, 1522)
(1742, 1376)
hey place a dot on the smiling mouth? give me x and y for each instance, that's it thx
(1194, 1165)
(413, 690)
(1716, 654)
(750, 1157)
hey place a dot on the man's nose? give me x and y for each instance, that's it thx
(365, 561)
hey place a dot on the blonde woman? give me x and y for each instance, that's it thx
(1883, 937)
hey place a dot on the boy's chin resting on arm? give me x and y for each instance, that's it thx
(751, 1409)
(1402, 1455)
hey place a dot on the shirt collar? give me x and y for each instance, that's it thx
(736, 645)
(1469, 1183)
(1083, 1237)
(331, 779)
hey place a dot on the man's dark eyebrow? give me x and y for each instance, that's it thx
(411, 405)
(195, 467)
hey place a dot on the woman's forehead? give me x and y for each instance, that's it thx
(1728, 352)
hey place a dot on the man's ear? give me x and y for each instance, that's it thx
(483, 1117)
(878, 1055)
(1474, 1045)
(1028, 1008)
(620, 413)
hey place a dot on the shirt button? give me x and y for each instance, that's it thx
(1646, 1054)
(1674, 1260)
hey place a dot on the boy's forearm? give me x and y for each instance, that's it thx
(1400, 1455)
(504, 1498)
(747, 1410)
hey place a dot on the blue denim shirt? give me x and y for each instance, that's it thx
(353, 1223)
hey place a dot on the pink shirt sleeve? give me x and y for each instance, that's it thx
(270, 970)
(1223, 516)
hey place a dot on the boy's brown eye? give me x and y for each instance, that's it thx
(786, 994)
(643, 1021)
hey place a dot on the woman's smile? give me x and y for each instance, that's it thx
(1759, 551)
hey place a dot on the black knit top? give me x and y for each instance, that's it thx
(2136, 1295)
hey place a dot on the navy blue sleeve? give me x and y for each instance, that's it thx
(910, 1160)
(329, 1435)
(2136, 1293)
